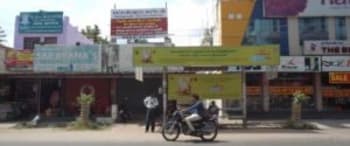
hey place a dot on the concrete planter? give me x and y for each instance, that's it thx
(296, 112)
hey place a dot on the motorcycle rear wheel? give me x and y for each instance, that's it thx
(213, 133)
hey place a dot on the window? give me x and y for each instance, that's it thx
(312, 29)
(50, 40)
(29, 42)
(340, 28)
(263, 31)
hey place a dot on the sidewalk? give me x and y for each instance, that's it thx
(135, 133)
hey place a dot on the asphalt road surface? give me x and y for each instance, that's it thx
(244, 138)
(330, 135)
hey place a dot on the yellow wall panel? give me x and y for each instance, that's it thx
(235, 16)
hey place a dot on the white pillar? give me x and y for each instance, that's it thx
(347, 20)
(331, 28)
(265, 92)
(293, 36)
(318, 91)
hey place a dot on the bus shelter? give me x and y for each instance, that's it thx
(225, 85)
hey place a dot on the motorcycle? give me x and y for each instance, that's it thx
(206, 128)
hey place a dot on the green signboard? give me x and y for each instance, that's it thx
(41, 22)
(207, 56)
(55, 58)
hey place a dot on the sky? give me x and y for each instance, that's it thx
(187, 19)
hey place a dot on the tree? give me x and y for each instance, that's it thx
(94, 33)
(207, 39)
(2, 35)
(168, 41)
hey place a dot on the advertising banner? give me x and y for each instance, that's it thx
(207, 56)
(139, 23)
(257, 68)
(19, 60)
(41, 22)
(333, 92)
(292, 64)
(306, 8)
(182, 86)
(335, 63)
(327, 47)
(289, 91)
(53, 58)
(254, 91)
(339, 77)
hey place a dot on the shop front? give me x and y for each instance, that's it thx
(336, 91)
(255, 100)
(131, 92)
(335, 79)
(281, 91)
(99, 87)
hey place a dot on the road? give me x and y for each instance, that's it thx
(135, 137)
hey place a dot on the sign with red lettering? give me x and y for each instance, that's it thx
(327, 47)
(339, 77)
(290, 90)
(139, 23)
(333, 92)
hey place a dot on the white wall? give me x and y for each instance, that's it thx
(293, 36)
(2, 60)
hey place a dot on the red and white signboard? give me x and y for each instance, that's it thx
(327, 47)
(336, 63)
(139, 23)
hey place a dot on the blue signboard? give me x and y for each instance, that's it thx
(41, 22)
(53, 58)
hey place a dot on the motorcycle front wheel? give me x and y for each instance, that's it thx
(210, 131)
(171, 131)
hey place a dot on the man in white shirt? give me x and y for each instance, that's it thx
(151, 103)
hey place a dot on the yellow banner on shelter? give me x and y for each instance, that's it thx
(207, 56)
(182, 86)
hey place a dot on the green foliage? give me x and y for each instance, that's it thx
(207, 39)
(299, 97)
(80, 125)
(85, 99)
(94, 33)
(24, 125)
(290, 124)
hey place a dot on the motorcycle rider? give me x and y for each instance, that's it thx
(196, 111)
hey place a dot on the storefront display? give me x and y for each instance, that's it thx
(281, 90)
(335, 92)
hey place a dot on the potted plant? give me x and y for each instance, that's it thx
(85, 100)
(298, 98)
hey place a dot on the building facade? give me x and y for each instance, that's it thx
(297, 27)
(33, 28)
